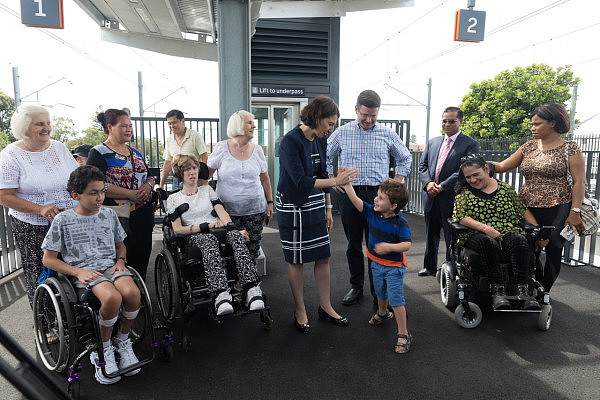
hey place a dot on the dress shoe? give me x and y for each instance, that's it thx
(426, 272)
(303, 328)
(352, 296)
(341, 321)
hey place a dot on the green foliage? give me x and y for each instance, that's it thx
(4, 140)
(7, 108)
(63, 129)
(91, 135)
(500, 107)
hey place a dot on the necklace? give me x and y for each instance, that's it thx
(191, 194)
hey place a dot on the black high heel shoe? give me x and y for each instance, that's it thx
(303, 328)
(341, 321)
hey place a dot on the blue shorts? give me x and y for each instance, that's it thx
(389, 283)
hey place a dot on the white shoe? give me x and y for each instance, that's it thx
(127, 356)
(110, 366)
(258, 302)
(225, 307)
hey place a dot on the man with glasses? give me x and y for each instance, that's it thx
(438, 172)
(367, 145)
(182, 141)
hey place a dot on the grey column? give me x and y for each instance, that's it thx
(234, 59)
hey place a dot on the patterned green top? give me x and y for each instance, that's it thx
(502, 209)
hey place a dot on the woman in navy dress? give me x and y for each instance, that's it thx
(303, 205)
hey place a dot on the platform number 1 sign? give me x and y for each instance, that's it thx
(469, 26)
(42, 13)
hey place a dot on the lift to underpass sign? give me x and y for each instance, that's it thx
(469, 26)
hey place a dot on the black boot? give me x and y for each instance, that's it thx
(528, 302)
(499, 301)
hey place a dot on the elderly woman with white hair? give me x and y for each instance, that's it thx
(33, 184)
(243, 186)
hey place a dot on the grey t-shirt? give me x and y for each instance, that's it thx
(86, 242)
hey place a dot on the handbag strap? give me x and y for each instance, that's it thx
(569, 177)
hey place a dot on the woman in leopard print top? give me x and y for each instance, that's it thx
(546, 191)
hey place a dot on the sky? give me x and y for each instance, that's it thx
(393, 52)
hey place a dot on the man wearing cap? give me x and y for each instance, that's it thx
(182, 141)
(81, 153)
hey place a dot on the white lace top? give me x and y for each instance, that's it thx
(200, 206)
(39, 177)
(239, 186)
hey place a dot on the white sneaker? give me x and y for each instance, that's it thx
(225, 307)
(127, 356)
(256, 304)
(110, 366)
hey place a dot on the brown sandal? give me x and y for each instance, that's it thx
(401, 348)
(374, 321)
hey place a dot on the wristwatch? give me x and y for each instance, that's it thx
(576, 209)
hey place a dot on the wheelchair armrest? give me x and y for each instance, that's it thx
(456, 226)
(529, 228)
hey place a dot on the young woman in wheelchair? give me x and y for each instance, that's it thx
(492, 210)
(197, 221)
(90, 241)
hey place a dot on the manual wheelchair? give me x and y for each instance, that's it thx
(180, 280)
(463, 285)
(66, 320)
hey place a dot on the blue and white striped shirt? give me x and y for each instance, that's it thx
(369, 151)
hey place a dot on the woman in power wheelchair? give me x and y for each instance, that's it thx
(489, 241)
(191, 227)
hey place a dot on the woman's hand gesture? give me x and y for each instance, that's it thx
(574, 220)
(345, 176)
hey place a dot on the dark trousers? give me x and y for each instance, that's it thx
(356, 228)
(435, 220)
(513, 248)
(139, 242)
(555, 216)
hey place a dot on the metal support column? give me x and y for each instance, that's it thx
(234, 59)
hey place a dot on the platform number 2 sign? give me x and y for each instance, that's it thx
(469, 26)
(42, 13)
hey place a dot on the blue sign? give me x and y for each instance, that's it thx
(42, 13)
(469, 26)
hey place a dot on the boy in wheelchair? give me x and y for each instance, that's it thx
(193, 211)
(492, 211)
(90, 242)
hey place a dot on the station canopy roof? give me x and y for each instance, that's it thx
(188, 28)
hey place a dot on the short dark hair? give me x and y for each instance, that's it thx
(175, 113)
(396, 191)
(369, 99)
(554, 112)
(319, 108)
(81, 177)
(110, 117)
(459, 112)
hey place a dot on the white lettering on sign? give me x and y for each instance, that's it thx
(40, 12)
(473, 21)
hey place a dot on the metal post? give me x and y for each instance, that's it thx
(16, 86)
(470, 4)
(142, 142)
(428, 111)
(573, 110)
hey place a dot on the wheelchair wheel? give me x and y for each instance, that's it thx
(545, 317)
(166, 278)
(54, 332)
(468, 320)
(448, 287)
(141, 324)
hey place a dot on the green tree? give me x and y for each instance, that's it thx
(91, 135)
(4, 140)
(7, 108)
(63, 129)
(500, 107)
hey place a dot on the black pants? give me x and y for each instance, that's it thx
(555, 216)
(356, 228)
(513, 248)
(435, 220)
(139, 242)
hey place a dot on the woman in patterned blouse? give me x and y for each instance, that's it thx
(547, 191)
(492, 210)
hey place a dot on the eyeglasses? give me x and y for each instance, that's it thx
(449, 121)
(471, 157)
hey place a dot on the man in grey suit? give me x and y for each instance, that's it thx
(438, 172)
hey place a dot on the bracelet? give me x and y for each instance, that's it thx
(269, 201)
(191, 228)
(329, 206)
(121, 258)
